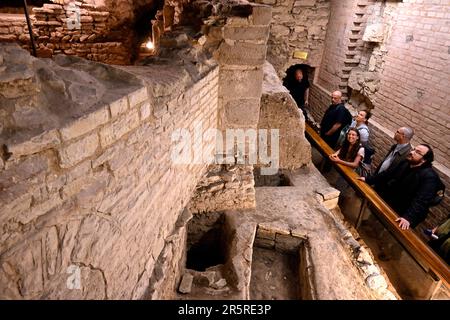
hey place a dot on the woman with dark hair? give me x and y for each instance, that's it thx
(351, 153)
(296, 81)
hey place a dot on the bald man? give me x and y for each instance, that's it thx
(335, 118)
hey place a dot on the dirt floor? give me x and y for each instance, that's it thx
(274, 275)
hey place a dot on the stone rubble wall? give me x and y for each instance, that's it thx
(224, 187)
(55, 31)
(297, 25)
(101, 198)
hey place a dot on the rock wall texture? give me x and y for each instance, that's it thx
(87, 208)
(297, 25)
(70, 27)
(224, 187)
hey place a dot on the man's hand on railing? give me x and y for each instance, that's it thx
(361, 178)
(403, 224)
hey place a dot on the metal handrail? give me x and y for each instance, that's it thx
(419, 250)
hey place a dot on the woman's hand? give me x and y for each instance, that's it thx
(334, 157)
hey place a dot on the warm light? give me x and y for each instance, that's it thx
(150, 45)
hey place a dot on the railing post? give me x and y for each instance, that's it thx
(30, 30)
(362, 208)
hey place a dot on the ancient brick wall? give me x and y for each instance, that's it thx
(296, 26)
(224, 187)
(80, 29)
(100, 196)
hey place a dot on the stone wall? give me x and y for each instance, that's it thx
(241, 56)
(80, 29)
(280, 112)
(100, 197)
(343, 43)
(224, 187)
(296, 26)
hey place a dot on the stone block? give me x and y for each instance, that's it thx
(39, 209)
(265, 234)
(264, 243)
(243, 84)
(242, 113)
(376, 282)
(305, 3)
(78, 151)
(374, 33)
(328, 193)
(85, 124)
(249, 33)
(186, 283)
(146, 111)
(137, 97)
(241, 53)
(45, 140)
(119, 106)
(118, 128)
(287, 243)
(262, 15)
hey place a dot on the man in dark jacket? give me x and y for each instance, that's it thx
(335, 118)
(399, 151)
(410, 187)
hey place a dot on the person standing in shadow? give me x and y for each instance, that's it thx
(296, 81)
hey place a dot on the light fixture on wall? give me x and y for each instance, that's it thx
(150, 45)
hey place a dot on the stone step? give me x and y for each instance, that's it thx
(350, 61)
(354, 36)
(347, 69)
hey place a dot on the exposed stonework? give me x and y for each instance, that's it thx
(224, 187)
(100, 183)
(297, 26)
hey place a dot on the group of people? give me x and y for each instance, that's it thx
(405, 178)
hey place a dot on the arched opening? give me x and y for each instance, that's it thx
(144, 40)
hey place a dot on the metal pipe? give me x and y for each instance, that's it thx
(30, 30)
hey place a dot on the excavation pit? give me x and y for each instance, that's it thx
(281, 179)
(206, 241)
(279, 267)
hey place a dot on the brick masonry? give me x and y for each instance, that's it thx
(102, 199)
(297, 26)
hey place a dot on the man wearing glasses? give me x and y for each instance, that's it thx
(410, 187)
(398, 151)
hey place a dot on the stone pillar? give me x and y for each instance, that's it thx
(241, 57)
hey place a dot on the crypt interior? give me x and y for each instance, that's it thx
(118, 179)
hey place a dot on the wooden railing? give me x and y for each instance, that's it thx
(420, 251)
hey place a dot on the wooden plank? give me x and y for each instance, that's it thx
(421, 252)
